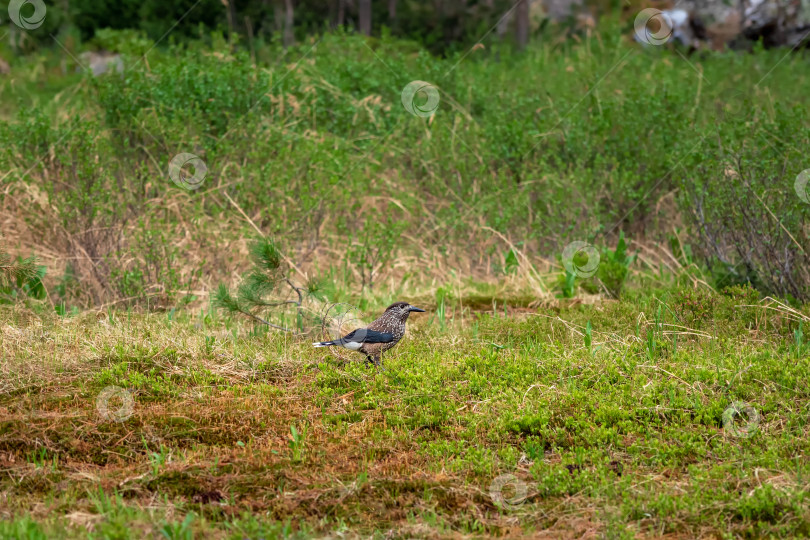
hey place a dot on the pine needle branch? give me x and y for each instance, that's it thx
(263, 288)
(13, 273)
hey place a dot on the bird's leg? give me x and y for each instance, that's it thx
(369, 360)
(378, 362)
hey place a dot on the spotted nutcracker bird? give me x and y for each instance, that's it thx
(379, 336)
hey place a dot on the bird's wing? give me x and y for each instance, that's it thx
(363, 335)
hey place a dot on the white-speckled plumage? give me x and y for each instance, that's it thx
(380, 336)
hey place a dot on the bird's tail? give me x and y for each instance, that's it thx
(323, 344)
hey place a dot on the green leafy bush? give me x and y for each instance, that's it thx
(744, 209)
(694, 307)
(614, 267)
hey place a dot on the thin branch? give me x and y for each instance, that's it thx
(274, 304)
(297, 291)
(252, 316)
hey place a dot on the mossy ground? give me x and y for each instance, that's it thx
(237, 433)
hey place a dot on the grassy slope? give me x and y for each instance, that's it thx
(567, 141)
(627, 438)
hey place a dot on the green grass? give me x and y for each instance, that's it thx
(313, 147)
(264, 435)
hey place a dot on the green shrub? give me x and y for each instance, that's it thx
(322, 151)
(744, 209)
(694, 307)
(614, 267)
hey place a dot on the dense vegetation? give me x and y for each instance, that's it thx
(313, 147)
(441, 27)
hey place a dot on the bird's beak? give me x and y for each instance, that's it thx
(414, 308)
